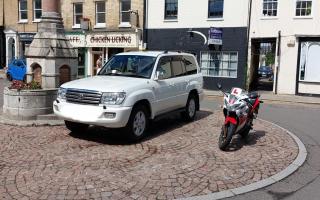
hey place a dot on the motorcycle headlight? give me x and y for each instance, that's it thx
(113, 98)
(62, 93)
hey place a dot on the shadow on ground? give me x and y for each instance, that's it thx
(118, 136)
(238, 142)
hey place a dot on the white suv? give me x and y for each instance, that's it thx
(130, 90)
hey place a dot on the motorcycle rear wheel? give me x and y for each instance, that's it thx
(225, 141)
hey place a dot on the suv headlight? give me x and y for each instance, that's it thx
(113, 98)
(62, 93)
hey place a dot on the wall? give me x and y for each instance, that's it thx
(234, 39)
(12, 17)
(112, 12)
(291, 28)
(194, 14)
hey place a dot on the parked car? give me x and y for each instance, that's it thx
(265, 71)
(17, 70)
(130, 90)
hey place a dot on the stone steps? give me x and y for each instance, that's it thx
(47, 117)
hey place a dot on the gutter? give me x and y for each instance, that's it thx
(145, 32)
(248, 65)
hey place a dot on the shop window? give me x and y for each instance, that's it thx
(309, 59)
(171, 9)
(125, 6)
(77, 14)
(81, 62)
(219, 64)
(37, 10)
(303, 7)
(100, 14)
(270, 8)
(215, 9)
(23, 10)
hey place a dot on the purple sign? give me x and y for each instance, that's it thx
(215, 36)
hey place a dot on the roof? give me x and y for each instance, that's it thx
(150, 53)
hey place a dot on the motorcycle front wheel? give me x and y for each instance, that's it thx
(225, 141)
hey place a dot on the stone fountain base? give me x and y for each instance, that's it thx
(28, 104)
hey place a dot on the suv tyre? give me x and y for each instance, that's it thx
(76, 127)
(138, 123)
(190, 109)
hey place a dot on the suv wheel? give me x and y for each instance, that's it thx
(76, 127)
(138, 123)
(190, 109)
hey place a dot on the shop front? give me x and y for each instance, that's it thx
(92, 46)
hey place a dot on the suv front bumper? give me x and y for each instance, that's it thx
(111, 117)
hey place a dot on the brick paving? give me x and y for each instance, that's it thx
(177, 160)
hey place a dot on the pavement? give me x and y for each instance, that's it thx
(271, 97)
(173, 162)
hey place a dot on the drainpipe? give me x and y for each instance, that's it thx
(248, 42)
(278, 63)
(144, 31)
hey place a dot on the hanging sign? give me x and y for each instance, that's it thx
(215, 36)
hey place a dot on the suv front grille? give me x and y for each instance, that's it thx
(83, 96)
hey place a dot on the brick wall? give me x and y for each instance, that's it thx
(112, 12)
(11, 20)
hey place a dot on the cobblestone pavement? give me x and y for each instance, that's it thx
(177, 160)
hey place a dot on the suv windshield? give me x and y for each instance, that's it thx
(129, 65)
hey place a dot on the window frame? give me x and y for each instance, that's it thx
(74, 14)
(97, 24)
(270, 9)
(303, 16)
(35, 10)
(170, 17)
(19, 10)
(221, 53)
(215, 17)
(123, 23)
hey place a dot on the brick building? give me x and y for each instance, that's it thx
(20, 25)
(102, 28)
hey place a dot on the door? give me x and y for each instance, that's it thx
(164, 87)
(180, 81)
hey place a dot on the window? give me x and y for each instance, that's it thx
(215, 9)
(219, 64)
(178, 68)
(23, 10)
(125, 11)
(189, 62)
(309, 61)
(77, 14)
(270, 7)
(303, 7)
(165, 67)
(171, 9)
(101, 13)
(37, 10)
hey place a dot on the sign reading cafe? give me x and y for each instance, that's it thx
(118, 40)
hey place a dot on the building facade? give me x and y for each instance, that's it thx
(102, 28)
(2, 37)
(20, 24)
(294, 26)
(215, 31)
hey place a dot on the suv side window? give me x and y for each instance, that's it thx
(164, 66)
(178, 68)
(190, 64)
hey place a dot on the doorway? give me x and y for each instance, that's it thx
(263, 53)
(96, 53)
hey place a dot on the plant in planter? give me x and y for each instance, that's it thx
(20, 85)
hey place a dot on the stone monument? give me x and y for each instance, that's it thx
(51, 60)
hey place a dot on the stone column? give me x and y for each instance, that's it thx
(50, 6)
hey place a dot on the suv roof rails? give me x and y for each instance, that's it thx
(166, 51)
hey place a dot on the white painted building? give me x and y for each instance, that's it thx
(295, 27)
(185, 25)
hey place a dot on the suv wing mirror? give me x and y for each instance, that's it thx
(159, 76)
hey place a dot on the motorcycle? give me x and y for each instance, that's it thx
(239, 109)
